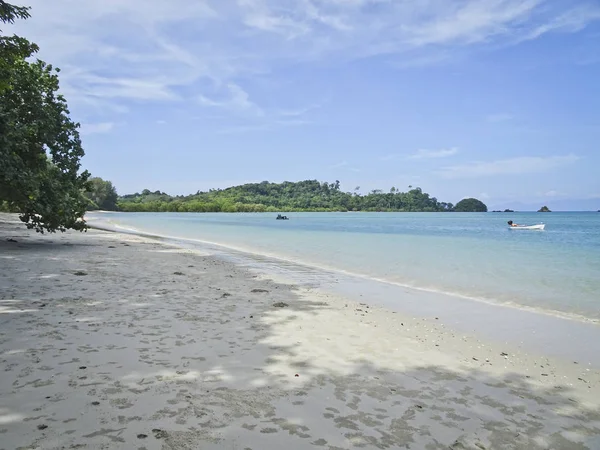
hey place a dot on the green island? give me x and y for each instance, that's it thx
(308, 195)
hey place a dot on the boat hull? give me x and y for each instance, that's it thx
(541, 226)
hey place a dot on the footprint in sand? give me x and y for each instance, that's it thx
(159, 434)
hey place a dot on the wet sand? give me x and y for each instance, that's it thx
(122, 342)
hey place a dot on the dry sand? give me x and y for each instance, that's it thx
(112, 341)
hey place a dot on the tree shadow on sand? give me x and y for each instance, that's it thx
(367, 404)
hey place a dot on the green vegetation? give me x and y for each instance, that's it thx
(544, 209)
(309, 195)
(470, 205)
(101, 195)
(40, 148)
(41, 176)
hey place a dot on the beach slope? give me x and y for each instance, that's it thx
(111, 341)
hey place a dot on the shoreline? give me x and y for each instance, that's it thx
(345, 273)
(167, 347)
(186, 242)
(531, 329)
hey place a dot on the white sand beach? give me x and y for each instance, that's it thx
(114, 341)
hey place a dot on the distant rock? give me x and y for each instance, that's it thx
(544, 209)
(470, 205)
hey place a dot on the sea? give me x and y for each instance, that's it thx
(468, 255)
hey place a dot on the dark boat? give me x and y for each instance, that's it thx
(280, 217)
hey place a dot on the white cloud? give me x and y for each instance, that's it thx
(299, 111)
(554, 194)
(570, 21)
(431, 154)
(96, 128)
(121, 51)
(512, 166)
(237, 100)
(345, 165)
(473, 21)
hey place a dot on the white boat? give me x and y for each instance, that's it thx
(541, 226)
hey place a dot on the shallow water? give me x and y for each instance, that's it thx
(472, 255)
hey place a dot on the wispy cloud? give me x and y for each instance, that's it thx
(345, 165)
(421, 154)
(116, 52)
(236, 100)
(433, 154)
(299, 111)
(472, 21)
(96, 128)
(554, 193)
(512, 166)
(569, 21)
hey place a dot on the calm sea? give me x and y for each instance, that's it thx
(472, 255)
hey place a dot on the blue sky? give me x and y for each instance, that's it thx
(497, 99)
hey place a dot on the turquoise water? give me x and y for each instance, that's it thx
(473, 255)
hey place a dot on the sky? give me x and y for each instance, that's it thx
(494, 99)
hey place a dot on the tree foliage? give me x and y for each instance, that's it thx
(309, 195)
(470, 205)
(101, 195)
(40, 148)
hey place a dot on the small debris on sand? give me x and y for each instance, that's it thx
(159, 434)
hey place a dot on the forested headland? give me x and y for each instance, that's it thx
(308, 195)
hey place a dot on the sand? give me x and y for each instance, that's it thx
(112, 341)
